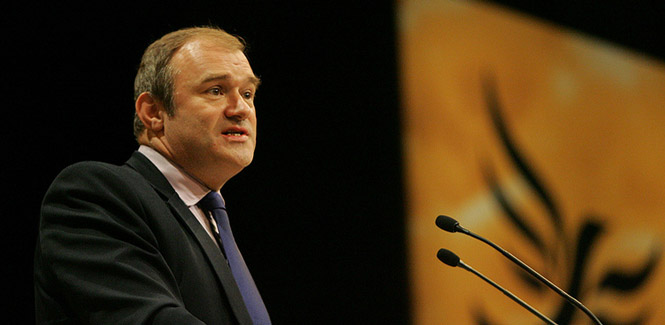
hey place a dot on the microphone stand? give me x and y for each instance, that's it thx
(453, 260)
(456, 227)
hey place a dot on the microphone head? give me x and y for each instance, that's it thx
(447, 223)
(448, 257)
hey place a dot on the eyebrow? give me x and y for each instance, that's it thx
(256, 81)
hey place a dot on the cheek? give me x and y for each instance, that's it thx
(190, 130)
(253, 121)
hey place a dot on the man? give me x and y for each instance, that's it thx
(142, 243)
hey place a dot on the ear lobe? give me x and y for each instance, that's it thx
(149, 110)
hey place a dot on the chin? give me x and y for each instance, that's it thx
(241, 161)
(247, 162)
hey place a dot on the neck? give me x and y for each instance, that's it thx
(212, 181)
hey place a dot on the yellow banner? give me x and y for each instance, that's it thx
(547, 142)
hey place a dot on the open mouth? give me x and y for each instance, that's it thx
(235, 132)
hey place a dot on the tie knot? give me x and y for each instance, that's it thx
(212, 201)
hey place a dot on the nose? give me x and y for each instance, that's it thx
(238, 108)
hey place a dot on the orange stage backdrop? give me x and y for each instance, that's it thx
(548, 142)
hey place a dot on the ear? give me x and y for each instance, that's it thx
(150, 112)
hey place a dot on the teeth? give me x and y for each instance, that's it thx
(234, 133)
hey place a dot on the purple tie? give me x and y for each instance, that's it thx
(257, 310)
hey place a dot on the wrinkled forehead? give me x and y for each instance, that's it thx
(202, 58)
(209, 46)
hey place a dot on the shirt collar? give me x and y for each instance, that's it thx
(189, 189)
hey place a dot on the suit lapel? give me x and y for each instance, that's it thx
(143, 165)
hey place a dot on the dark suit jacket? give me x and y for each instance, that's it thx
(117, 245)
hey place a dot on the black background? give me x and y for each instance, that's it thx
(319, 214)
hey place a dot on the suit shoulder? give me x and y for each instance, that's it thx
(96, 169)
(92, 167)
(97, 176)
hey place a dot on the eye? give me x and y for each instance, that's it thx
(215, 91)
(248, 95)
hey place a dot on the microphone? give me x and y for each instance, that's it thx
(449, 258)
(451, 225)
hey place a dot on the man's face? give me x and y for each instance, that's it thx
(213, 129)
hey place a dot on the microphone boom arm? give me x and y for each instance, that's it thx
(507, 293)
(531, 271)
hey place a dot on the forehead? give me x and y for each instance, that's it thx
(199, 58)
